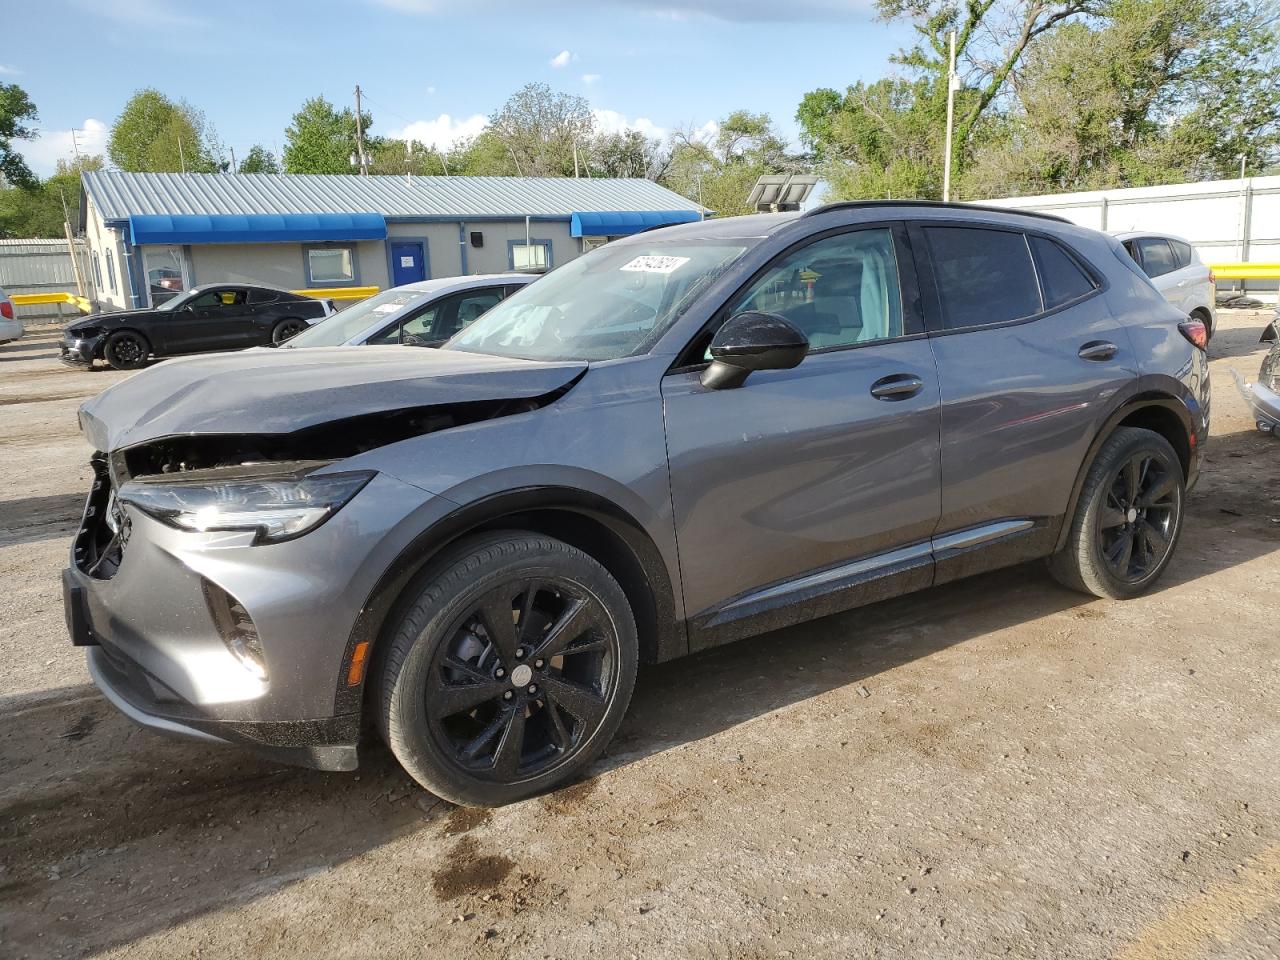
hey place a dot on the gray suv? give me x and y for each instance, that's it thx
(677, 440)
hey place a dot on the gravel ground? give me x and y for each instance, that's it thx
(994, 767)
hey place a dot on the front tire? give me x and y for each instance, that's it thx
(510, 670)
(1127, 520)
(126, 350)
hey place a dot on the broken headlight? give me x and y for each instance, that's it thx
(277, 508)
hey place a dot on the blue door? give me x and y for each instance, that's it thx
(408, 262)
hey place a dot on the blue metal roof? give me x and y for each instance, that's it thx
(256, 228)
(623, 223)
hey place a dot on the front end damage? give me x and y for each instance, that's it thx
(1263, 395)
(227, 550)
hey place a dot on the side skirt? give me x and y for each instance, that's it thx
(881, 576)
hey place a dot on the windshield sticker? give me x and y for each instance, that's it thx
(653, 264)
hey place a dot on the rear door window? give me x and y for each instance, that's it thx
(984, 277)
(1157, 256)
(1181, 253)
(1061, 278)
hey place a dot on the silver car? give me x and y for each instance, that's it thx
(679, 439)
(1176, 270)
(426, 313)
(11, 327)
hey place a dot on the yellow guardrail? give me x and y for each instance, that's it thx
(84, 306)
(33, 299)
(338, 293)
(1246, 271)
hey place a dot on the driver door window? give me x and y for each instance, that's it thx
(840, 291)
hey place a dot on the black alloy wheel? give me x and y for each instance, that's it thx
(286, 330)
(508, 669)
(522, 681)
(1139, 516)
(125, 350)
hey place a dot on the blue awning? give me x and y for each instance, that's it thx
(257, 228)
(623, 223)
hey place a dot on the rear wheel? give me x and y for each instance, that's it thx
(1127, 520)
(286, 329)
(510, 671)
(126, 350)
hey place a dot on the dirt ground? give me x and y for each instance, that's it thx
(997, 767)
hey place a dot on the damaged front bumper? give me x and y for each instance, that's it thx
(1264, 402)
(79, 351)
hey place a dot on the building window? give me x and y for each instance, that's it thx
(111, 272)
(97, 271)
(532, 257)
(330, 265)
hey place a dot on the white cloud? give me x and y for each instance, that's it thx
(611, 121)
(562, 59)
(590, 78)
(8, 71)
(431, 91)
(443, 131)
(43, 153)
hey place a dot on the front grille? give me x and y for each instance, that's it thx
(99, 544)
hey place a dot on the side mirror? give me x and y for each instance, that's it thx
(752, 341)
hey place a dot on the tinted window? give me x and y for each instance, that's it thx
(1181, 253)
(263, 296)
(1157, 258)
(838, 291)
(983, 276)
(463, 310)
(1061, 279)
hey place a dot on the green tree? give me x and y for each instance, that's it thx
(154, 134)
(38, 211)
(625, 153)
(719, 172)
(259, 160)
(539, 127)
(322, 139)
(483, 155)
(16, 113)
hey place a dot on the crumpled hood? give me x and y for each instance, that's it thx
(281, 391)
(109, 319)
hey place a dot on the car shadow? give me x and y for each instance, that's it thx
(30, 519)
(119, 832)
(1232, 342)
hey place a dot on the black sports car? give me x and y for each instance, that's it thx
(222, 316)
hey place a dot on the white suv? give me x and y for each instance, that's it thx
(1177, 272)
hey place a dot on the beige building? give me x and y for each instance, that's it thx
(151, 235)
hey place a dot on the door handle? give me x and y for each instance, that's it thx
(1098, 350)
(897, 386)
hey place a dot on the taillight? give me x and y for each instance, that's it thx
(6, 309)
(1195, 331)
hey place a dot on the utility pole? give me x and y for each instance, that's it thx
(575, 158)
(952, 84)
(233, 160)
(182, 160)
(75, 148)
(364, 160)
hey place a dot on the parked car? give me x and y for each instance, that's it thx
(423, 314)
(220, 316)
(676, 440)
(1177, 272)
(1263, 394)
(10, 326)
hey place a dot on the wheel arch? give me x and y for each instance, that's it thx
(593, 524)
(136, 331)
(1157, 412)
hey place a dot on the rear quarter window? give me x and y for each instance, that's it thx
(1062, 279)
(1182, 253)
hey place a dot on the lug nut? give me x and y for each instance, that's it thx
(507, 695)
(520, 654)
(533, 688)
(499, 673)
(539, 664)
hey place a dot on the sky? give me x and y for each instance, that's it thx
(429, 69)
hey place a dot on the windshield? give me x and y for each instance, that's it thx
(344, 325)
(609, 303)
(173, 303)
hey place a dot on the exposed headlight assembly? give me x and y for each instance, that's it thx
(276, 508)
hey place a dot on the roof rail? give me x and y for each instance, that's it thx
(953, 205)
